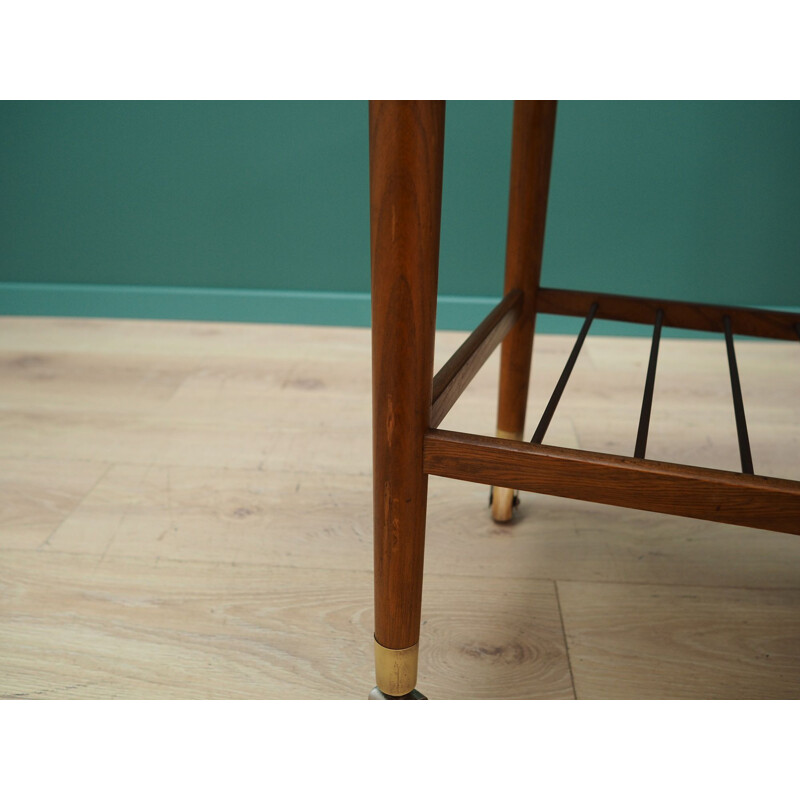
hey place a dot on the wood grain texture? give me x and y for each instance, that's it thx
(406, 157)
(560, 539)
(750, 500)
(682, 643)
(168, 629)
(451, 380)
(252, 397)
(531, 157)
(677, 314)
(140, 628)
(183, 563)
(231, 515)
(492, 639)
(37, 496)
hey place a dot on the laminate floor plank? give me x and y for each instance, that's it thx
(38, 496)
(653, 642)
(71, 626)
(185, 511)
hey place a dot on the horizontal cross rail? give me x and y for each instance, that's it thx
(750, 500)
(451, 380)
(677, 314)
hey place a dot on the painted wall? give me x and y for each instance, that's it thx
(230, 203)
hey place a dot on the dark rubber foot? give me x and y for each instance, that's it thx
(377, 694)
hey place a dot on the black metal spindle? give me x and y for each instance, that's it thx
(544, 422)
(738, 403)
(649, 384)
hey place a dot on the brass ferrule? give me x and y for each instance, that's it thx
(501, 434)
(503, 498)
(396, 670)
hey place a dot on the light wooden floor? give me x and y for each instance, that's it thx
(185, 513)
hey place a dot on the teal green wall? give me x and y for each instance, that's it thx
(694, 200)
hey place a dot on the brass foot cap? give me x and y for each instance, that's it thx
(396, 670)
(503, 501)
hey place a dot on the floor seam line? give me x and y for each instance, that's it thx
(566, 644)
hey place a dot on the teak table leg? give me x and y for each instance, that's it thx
(406, 154)
(531, 155)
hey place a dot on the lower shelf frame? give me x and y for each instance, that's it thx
(753, 501)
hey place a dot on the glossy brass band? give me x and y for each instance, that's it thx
(396, 670)
(502, 498)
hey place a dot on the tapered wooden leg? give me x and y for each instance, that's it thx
(531, 155)
(406, 152)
